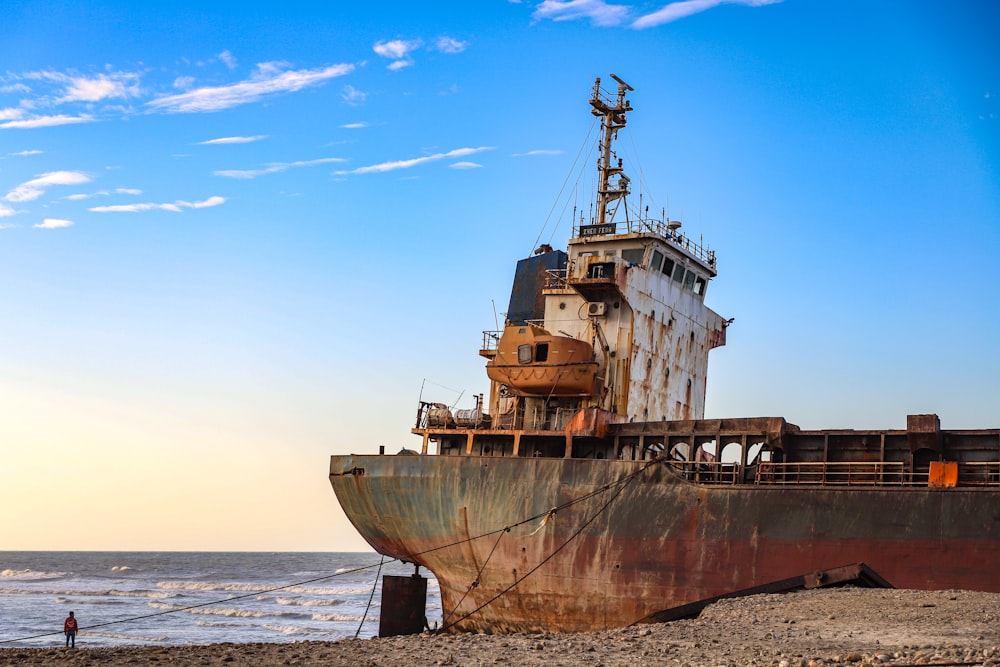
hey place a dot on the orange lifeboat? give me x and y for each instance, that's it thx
(531, 361)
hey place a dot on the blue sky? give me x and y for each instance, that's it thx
(237, 239)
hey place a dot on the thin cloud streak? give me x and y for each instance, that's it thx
(274, 168)
(269, 80)
(679, 10)
(175, 207)
(406, 164)
(598, 11)
(601, 13)
(540, 151)
(232, 140)
(45, 121)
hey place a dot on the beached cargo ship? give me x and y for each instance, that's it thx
(587, 491)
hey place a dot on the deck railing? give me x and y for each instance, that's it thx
(663, 229)
(854, 473)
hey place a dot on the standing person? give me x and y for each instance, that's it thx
(70, 627)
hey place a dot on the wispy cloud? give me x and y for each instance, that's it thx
(45, 121)
(540, 151)
(679, 10)
(6, 211)
(274, 168)
(353, 96)
(449, 45)
(413, 162)
(175, 207)
(77, 88)
(604, 14)
(269, 79)
(397, 48)
(228, 60)
(400, 50)
(465, 165)
(353, 126)
(80, 196)
(232, 140)
(598, 11)
(36, 187)
(53, 223)
(25, 153)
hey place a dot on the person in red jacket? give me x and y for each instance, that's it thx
(70, 627)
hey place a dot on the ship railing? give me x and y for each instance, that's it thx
(490, 341)
(833, 473)
(669, 230)
(979, 473)
(556, 278)
(707, 472)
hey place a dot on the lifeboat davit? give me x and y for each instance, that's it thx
(531, 361)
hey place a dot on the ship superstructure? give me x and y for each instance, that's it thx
(613, 330)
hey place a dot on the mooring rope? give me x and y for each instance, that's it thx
(370, 598)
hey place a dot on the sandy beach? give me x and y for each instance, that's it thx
(847, 626)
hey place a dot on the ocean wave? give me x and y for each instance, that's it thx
(211, 586)
(30, 574)
(290, 629)
(219, 624)
(225, 611)
(308, 590)
(308, 602)
(336, 617)
(116, 635)
(63, 594)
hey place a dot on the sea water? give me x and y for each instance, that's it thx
(165, 598)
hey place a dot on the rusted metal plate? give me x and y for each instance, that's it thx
(404, 603)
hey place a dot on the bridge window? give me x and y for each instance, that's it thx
(699, 286)
(668, 267)
(657, 260)
(678, 273)
(689, 280)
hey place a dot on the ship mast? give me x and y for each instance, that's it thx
(612, 119)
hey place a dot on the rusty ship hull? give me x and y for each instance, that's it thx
(616, 552)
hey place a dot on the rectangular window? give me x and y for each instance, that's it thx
(633, 255)
(678, 273)
(699, 286)
(657, 260)
(689, 280)
(668, 267)
(524, 354)
(601, 271)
